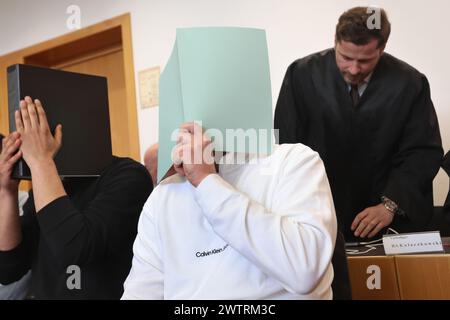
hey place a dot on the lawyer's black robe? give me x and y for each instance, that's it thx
(389, 145)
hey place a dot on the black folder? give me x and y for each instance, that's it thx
(77, 101)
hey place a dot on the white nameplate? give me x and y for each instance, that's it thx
(417, 242)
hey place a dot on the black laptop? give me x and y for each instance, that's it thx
(77, 101)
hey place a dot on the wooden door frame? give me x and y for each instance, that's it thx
(124, 23)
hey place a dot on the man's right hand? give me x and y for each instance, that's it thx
(8, 157)
(193, 155)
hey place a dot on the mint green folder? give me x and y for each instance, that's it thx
(219, 77)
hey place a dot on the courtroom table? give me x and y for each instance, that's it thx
(375, 276)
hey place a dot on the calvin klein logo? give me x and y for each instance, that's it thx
(199, 254)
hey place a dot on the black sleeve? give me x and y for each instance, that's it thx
(107, 224)
(446, 167)
(14, 264)
(288, 112)
(446, 163)
(416, 162)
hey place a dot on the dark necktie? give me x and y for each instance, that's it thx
(355, 95)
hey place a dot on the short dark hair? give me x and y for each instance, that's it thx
(353, 27)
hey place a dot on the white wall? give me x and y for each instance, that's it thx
(294, 28)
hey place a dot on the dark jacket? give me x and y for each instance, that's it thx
(88, 234)
(389, 145)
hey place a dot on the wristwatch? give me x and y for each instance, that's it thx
(391, 206)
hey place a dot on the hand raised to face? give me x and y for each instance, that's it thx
(38, 143)
(193, 155)
(9, 155)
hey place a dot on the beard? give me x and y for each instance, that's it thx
(354, 79)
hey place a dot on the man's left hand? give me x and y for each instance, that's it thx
(38, 143)
(371, 220)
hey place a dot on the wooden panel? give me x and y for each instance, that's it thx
(133, 134)
(361, 273)
(75, 36)
(424, 276)
(76, 48)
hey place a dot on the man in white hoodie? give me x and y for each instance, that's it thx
(263, 229)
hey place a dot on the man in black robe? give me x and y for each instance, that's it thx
(370, 117)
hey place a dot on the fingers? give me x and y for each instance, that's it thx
(58, 135)
(192, 127)
(18, 119)
(10, 149)
(370, 222)
(369, 226)
(15, 158)
(6, 142)
(358, 219)
(42, 117)
(364, 222)
(13, 147)
(25, 118)
(182, 153)
(208, 153)
(32, 116)
(383, 218)
(10, 144)
(361, 226)
(193, 147)
(177, 159)
(188, 126)
(377, 229)
(184, 137)
(177, 155)
(192, 132)
(32, 113)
